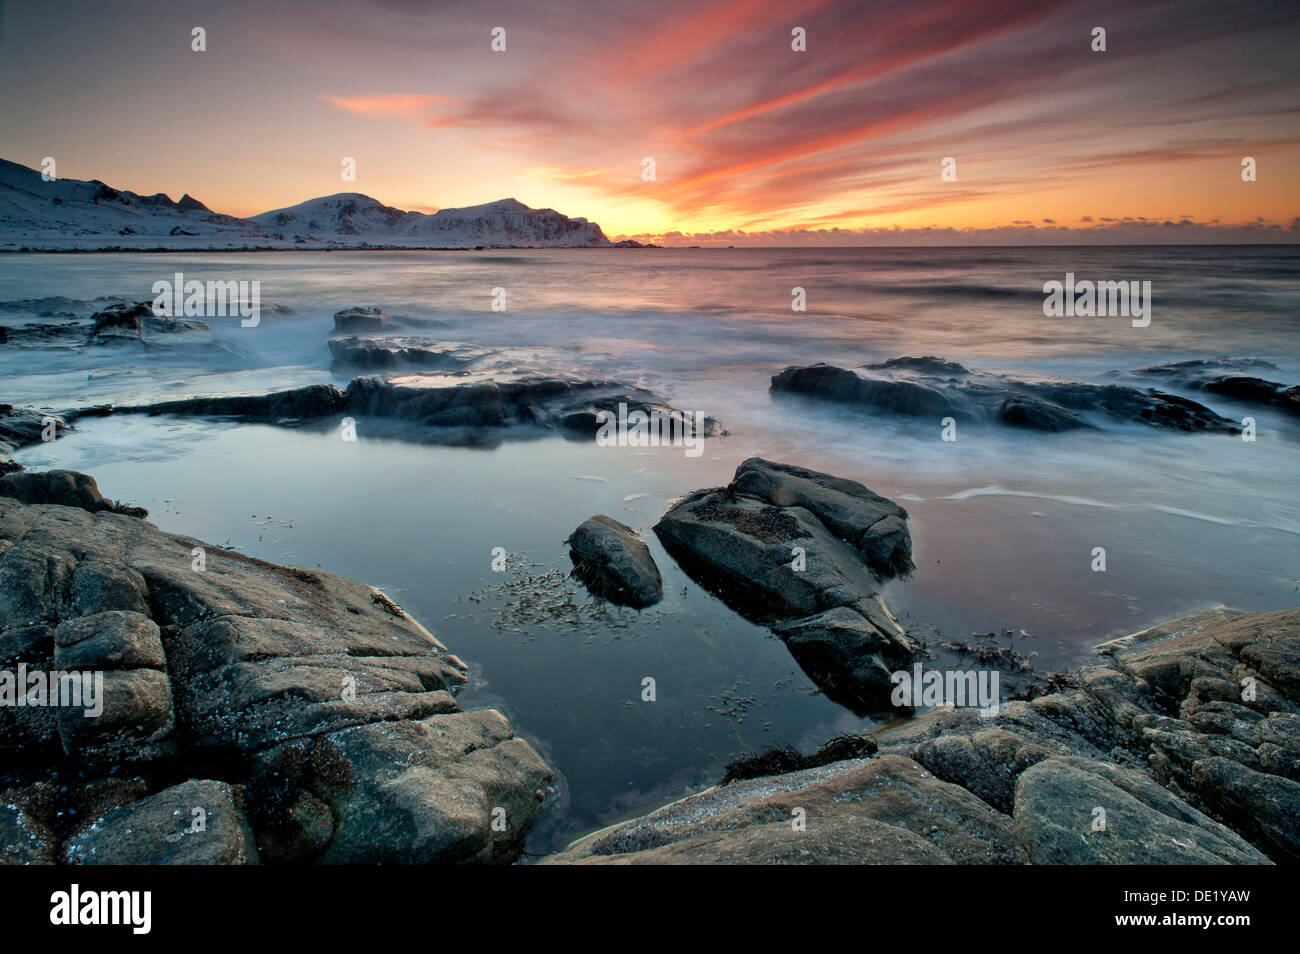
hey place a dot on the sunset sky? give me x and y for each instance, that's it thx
(1050, 138)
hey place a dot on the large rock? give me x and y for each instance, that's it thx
(784, 546)
(64, 487)
(360, 319)
(1224, 377)
(614, 563)
(874, 524)
(935, 389)
(232, 661)
(887, 810)
(474, 409)
(1074, 811)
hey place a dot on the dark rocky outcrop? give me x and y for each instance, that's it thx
(381, 354)
(803, 552)
(136, 321)
(467, 411)
(933, 388)
(314, 719)
(359, 319)
(614, 563)
(64, 487)
(1181, 746)
(1226, 377)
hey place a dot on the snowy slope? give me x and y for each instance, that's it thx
(69, 213)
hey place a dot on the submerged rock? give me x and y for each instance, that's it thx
(932, 388)
(803, 552)
(614, 563)
(315, 697)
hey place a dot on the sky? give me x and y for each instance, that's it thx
(752, 141)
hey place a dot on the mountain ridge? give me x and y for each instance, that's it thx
(87, 215)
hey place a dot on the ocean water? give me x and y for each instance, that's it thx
(1004, 522)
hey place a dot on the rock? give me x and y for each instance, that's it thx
(113, 639)
(253, 662)
(136, 722)
(360, 319)
(743, 549)
(427, 791)
(311, 401)
(1260, 805)
(885, 810)
(614, 563)
(466, 411)
(21, 426)
(875, 525)
(25, 839)
(932, 388)
(1222, 377)
(843, 386)
(1021, 410)
(848, 658)
(99, 585)
(63, 487)
(803, 552)
(136, 321)
(194, 823)
(377, 354)
(1056, 820)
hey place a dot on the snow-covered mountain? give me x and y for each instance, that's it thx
(72, 214)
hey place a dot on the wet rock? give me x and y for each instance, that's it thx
(614, 563)
(1224, 377)
(311, 401)
(875, 525)
(378, 354)
(194, 823)
(1022, 410)
(848, 657)
(136, 322)
(360, 319)
(829, 383)
(464, 411)
(932, 388)
(803, 552)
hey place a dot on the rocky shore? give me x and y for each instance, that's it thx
(249, 711)
(1180, 746)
